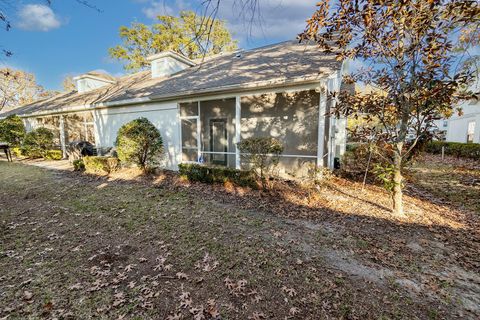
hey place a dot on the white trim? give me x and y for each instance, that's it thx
(270, 155)
(238, 121)
(62, 136)
(322, 107)
(206, 95)
(199, 132)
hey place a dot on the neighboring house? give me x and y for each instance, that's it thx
(203, 109)
(466, 127)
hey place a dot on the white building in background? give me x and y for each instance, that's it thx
(464, 128)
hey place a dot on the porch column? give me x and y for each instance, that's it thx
(62, 137)
(238, 120)
(322, 107)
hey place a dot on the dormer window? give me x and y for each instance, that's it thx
(167, 63)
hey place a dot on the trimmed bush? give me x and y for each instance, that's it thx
(12, 130)
(213, 174)
(17, 152)
(37, 143)
(100, 165)
(139, 142)
(457, 149)
(262, 154)
(78, 165)
(54, 155)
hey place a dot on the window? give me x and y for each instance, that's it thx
(445, 123)
(470, 131)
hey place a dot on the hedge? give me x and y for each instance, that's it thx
(100, 165)
(457, 149)
(53, 155)
(214, 174)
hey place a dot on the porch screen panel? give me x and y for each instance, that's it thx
(53, 124)
(189, 139)
(189, 109)
(79, 127)
(292, 118)
(217, 118)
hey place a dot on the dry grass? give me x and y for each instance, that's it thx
(129, 246)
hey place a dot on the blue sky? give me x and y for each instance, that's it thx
(68, 38)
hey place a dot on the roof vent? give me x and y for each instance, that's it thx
(93, 80)
(167, 63)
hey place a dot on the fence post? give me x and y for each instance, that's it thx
(443, 152)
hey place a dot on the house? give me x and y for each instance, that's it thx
(464, 127)
(203, 108)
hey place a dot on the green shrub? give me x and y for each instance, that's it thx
(78, 165)
(54, 155)
(12, 130)
(262, 154)
(100, 165)
(213, 174)
(17, 152)
(37, 143)
(139, 142)
(457, 149)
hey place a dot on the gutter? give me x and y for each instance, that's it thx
(191, 93)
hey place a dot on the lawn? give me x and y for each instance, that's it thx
(74, 246)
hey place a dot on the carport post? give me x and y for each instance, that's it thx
(62, 137)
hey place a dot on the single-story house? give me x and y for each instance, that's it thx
(464, 127)
(203, 108)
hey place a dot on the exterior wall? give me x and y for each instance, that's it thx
(458, 125)
(163, 115)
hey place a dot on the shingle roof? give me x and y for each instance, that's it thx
(273, 65)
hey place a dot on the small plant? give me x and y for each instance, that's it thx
(37, 143)
(78, 165)
(139, 142)
(212, 174)
(54, 155)
(12, 130)
(262, 154)
(385, 174)
(100, 165)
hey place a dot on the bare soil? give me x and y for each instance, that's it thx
(74, 246)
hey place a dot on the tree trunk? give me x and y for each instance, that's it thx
(397, 187)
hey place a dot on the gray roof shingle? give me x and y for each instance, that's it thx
(272, 65)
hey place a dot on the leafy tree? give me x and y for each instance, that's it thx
(414, 67)
(12, 130)
(68, 84)
(191, 35)
(139, 142)
(37, 143)
(262, 154)
(18, 87)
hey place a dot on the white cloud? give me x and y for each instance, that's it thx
(278, 19)
(38, 17)
(157, 8)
